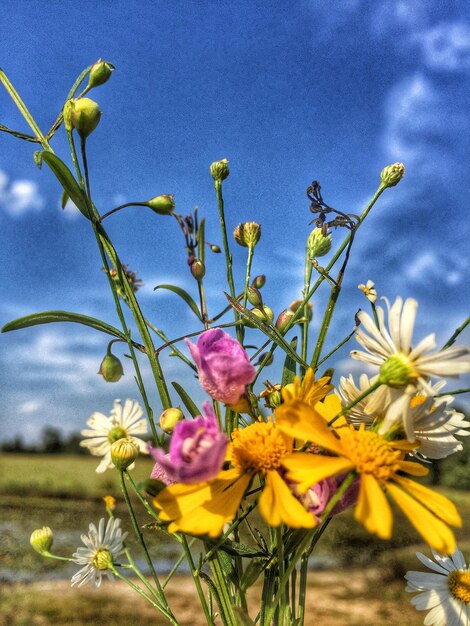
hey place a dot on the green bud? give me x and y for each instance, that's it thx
(219, 170)
(198, 270)
(85, 116)
(272, 395)
(396, 371)
(391, 175)
(254, 296)
(318, 244)
(124, 452)
(259, 281)
(169, 418)
(283, 319)
(100, 73)
(264, 313)
(111, 368)
(67, 114)
(269, 360)
(215, 248)
(163, 204)
(247, 234)
(41, 540)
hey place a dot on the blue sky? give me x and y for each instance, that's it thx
(289, 93)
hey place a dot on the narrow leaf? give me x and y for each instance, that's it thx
(188, 403)
(200, 240)
(289, 371)
(64, 199)
(243, 619)
(68, 182)
(48, 317)
(183, 294)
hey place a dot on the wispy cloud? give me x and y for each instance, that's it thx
(18, 197)
(446, 46)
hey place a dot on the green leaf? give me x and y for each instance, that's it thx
(289, 371)
(188, 403)
(243, 619)
(64, 199)
(252, 572)
(200, 241)
(183, 294)
(48, 317)
(68, 182)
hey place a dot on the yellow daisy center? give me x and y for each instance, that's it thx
(258, 448)
(397, 371)
(117, 432)
(102, 559)
(459, 585)
(370, 453)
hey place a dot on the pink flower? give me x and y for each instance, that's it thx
(316, 498)
(197, 451)
(223, 366)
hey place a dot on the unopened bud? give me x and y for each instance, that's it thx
(296, 304)
(41, 540)
(259, 281)
(67, 114)
(163, 204)
(198, 270)
(269, 359)
(272, 395)
(111, 368)
(219, 170)
(124, 452)
(318, 244)
(215, 248)
(254, 296)
(169, 418)
(100, 73)
(391, 175)
(283, 319)
(85, 116)
(264, 313)
(247, 234)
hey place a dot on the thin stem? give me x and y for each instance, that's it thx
(249, 262)
(303, 587)
(280, 560)
(122, 206)
(457, 333)
(340, 345)
(359, 398)
(143, 501)
(453, 392)
(85, 167)
(197, 582)
(224, 593)
(14, 95)
(228, 256)
(308, 277)
(202, 302)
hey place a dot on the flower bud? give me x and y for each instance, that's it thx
(396, 371)
(111, 368)
(215, 248)
(259, 281)
(67, 114)
(295, 305)
(41, 540)
(100, 73)
(85, 116)
(272, 395)
(124, 452)
(163, 204)
(169, 418)
(391, 175)
(247, 234)
(269, 360)
(110, 503)
(317, 244)
(219, 170)
(283, 319)
(264, 313)
(254, 296)
(198, 270)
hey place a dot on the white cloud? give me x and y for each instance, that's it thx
(18, 197)
(30, 406)
(446, 46)
(430, 265)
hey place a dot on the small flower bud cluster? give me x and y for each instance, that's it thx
(391, 175)
(318, 244)
(219, 170)
(124, 452)
(247, 234)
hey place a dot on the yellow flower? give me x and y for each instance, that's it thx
(377, 462)
(260, 449)
(309, 390)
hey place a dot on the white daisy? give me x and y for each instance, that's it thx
(402, 366)
(103, 546)
(430, 421)
(104, 431)
(446, 591)
(369, 291)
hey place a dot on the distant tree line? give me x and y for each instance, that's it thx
(51, 441)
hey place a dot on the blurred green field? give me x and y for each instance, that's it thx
(65, 493)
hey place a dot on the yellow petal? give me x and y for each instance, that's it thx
(299, 420)
(308, 469)
(415, 469)
(373, 510)
(437, 503)
(434, 531)
(330, 407)
(205, 508)
(278, 506)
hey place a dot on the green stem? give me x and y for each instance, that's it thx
(280, 560)
(197, 582)
(453, 392)
(303, 587)
(228, 256)
(143, 501)
(249, 262)
(334, 294)
(122, 206)
(341, 343)
(14, 95)
(457, 333)
(359, 398)
(202, 301)
(308, 277)
(224, 593)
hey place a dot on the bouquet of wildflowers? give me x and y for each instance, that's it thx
(256, 474)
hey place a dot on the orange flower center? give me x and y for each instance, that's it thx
(370, 453)
(459, 585)
(258, 448)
